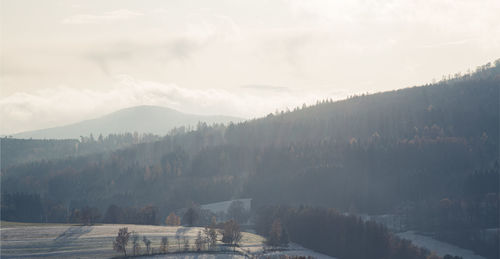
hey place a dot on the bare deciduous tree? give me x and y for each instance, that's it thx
(178, 239)
(164, 244)
(211, 236)
(136, 246)
(147, 243)
(200, 242)
(191, 216)
(173, 220)
(231, 233)
(121, 241)
(186, 243)
(278, 236)
(237, 212)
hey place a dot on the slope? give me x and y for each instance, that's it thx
(429, 154)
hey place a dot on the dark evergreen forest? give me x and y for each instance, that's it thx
(18, 151)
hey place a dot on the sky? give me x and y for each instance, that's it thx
(63, 61)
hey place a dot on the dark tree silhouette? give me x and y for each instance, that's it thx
(237, 212)
(172, 220)
(278, 236)
(231, 233)
(191, 216)
(147, 244)
(136, 246)
(121, 241)
(164, 244)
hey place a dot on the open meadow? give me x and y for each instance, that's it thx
(26, 240)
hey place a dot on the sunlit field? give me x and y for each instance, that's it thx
(66, 240)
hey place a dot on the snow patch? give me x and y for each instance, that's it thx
(440, 248)
(223, 206)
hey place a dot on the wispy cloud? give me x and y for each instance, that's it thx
(58, 106)
(112, 16)
(272, 88)
(175, 49)
(446, 43)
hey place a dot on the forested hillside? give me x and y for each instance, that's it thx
(111, 132)
(464, 107)
(17, 151)
(428, 153)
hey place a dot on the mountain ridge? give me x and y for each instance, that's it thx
(142, 119)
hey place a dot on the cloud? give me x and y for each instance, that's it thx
(446, 43)
(201, 31)
(175, 49)
(181, 48)
(274, 54)
(209, 27)
(273, 88)
(11, 68)
(112, 16)
(63, 105)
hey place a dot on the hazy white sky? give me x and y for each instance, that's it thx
(64, 60)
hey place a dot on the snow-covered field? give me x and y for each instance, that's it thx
(197, 256)
(394, 223)
(72, 241)
(223, 206)
(440, 248)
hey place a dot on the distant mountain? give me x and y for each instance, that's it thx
(142, 119)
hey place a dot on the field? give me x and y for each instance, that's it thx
(440, 248)
(25, 240)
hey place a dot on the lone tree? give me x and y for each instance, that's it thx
(278, 236)
(88, 216)
(211, 236)
(231, 233)
(114, 214)
(173, 220)
(191, 216)
(237, 212)
(200, 242)
(178, 239)
(121, 241)
(147, 243)
(164, 244)
(136, 246)
(186, 243)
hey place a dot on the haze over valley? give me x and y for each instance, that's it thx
(250, 129)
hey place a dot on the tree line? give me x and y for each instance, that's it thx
(18, 151)
(228, 233)
(332, 233)
(423, 153)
